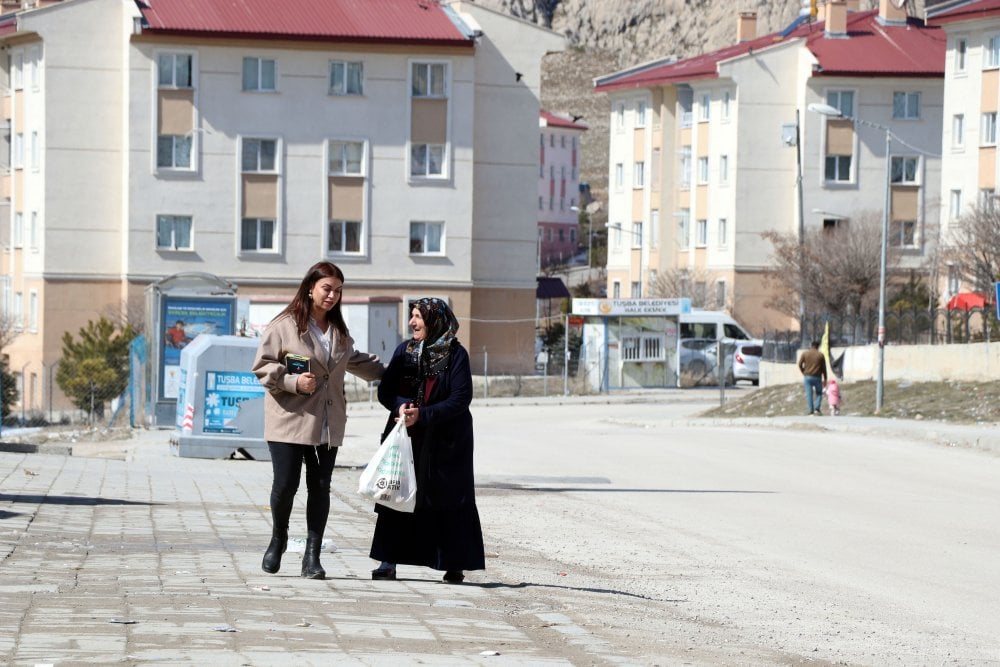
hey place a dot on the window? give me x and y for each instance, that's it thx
(541, 203)
(703, 170)
(684, 228)
(636, 234)
(842, 100)
(616, 290)
(257, 235)
(643, 348)
(958, 130)
(174, 70)
(344, 236)
(989, 129)
(701, 233)
(830, 225)
(33, 57)
(33, 231)
(723, 230)
(961, 46)
(347, 158)
(562, 144)
(33, 310)
(705, 107)
(906, 106)
(427, 160)
(724, 169)
(619, 175)
(34, 150)
(621, 115)
(426, 238)
(636, 289)
(992, 56)
(902, 233)
(639, 175)
(903, 170)
(640, 113)
(429, 80)
(173, 151)
(346, 78)
(987, 198)
(258, 74)
(720, 293)
(654, 227)
(954, 282)
(955, 205)
(19, 310)
(18, 150)
(18, 232)
(685, 167)
(259, 155)
(17, 70)
(727, 99)
(838, 168)
(173, 232)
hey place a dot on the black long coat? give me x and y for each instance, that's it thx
(444, 531)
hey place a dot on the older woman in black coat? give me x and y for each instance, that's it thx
(428, 385)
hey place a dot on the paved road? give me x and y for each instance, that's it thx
(619, 531)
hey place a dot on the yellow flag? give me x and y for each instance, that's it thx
(824, 347)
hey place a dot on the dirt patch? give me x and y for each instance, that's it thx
(952, 402)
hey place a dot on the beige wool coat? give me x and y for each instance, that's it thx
(298, 418)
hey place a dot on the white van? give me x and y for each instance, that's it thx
(713, 324)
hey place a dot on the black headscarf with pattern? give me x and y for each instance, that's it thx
(430, 356)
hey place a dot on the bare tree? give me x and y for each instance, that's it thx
(972, 246)
(130, 314)
(10, 329)
(836, 271)
(691, 283)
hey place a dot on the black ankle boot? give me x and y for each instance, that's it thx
(272, 557)
(311, 569)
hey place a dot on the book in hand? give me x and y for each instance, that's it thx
(296, 364)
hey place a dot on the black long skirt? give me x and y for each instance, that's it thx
(439, 539)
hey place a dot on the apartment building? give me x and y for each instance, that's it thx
(392, 137)
(558, 188)
(971, 102)
(708, 153)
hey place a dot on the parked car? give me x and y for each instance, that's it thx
(744, 363)
(698, 357)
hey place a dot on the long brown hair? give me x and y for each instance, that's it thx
(301, 306)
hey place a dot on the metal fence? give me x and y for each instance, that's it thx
(917, 326)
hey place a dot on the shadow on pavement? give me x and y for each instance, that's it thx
(35, 499)
(584, 589)
(563, 489)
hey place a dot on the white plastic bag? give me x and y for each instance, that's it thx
(389, 478)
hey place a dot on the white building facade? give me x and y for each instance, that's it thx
(558, 188)
(704, 155)
(146, 142)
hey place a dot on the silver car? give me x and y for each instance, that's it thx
(744, 363)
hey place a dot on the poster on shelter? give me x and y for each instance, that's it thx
(224, 392)
(183, 320)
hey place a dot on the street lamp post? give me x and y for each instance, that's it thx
(637, 234)
(833, 112)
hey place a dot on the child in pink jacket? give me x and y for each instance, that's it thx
(833, 395)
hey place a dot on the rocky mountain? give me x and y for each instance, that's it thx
(608, 35)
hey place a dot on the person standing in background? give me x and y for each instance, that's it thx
(812, 363)
(305, 412)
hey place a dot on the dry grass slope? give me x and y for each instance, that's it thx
(951, 402)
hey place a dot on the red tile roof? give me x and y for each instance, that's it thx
(870, 49)
(392, 21)
(965, 11)
(552, 120)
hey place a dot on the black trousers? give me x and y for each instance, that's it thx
(287, 460)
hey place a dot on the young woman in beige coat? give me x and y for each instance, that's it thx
(305, 412)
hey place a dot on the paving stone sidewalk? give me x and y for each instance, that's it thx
(157, 559)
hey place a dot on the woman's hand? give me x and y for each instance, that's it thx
(305, 383)
(408, 414)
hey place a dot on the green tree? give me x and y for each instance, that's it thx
(8, 389)
(94, 369)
